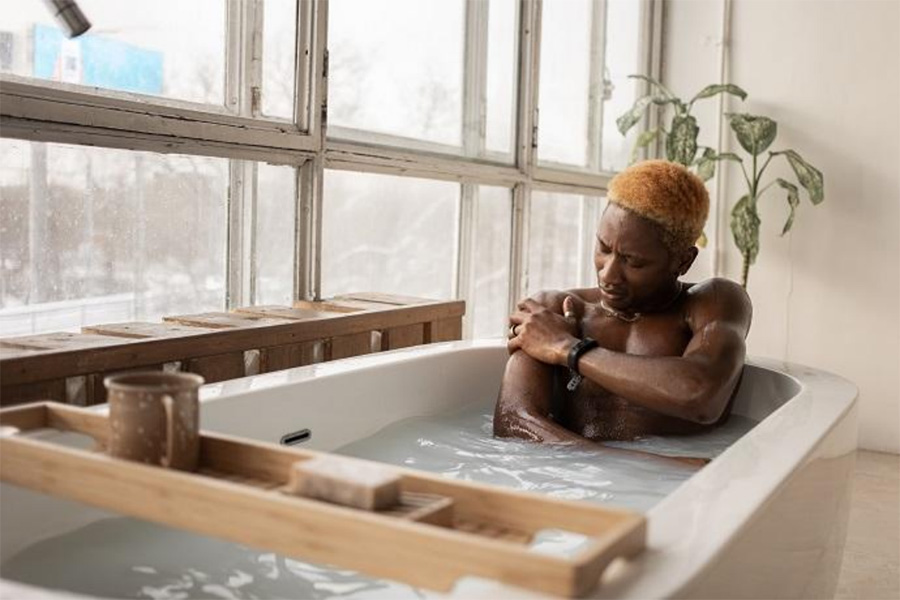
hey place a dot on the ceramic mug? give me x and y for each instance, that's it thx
(154, 418)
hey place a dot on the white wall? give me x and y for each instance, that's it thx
(828, 71)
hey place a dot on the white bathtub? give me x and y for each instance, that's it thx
(766, 519)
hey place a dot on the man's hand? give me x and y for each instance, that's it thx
(543, 334)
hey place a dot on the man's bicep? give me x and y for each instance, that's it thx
(720, 324)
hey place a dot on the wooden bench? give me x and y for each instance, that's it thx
(70, 367)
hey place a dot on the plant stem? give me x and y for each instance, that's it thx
(745, 271)
(765, 164)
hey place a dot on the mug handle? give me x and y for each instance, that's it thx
(169, 406)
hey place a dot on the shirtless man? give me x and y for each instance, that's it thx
(668, 354)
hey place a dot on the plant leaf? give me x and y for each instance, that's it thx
(666, 92)
(793, 201)
(809, 176)
(712, 90)
(755, 134)
(643, 141)
(745, 228)
(730, 156)
(681, 145)
(702, 241)
(706, 164)
(627, 120)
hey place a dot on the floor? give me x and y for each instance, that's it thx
(872, 555)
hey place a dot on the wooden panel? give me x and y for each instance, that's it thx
(61, 341)
(444, 330)
(277, 358)
(218, 367)
(394, 299)
(340, 306)
(59, 364)
(54, 389)
(346, 346)
(222, 320)
(285, 312)
(402, 337)
(142, 330)
(15, 351)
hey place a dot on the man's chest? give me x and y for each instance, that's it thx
(649, 335)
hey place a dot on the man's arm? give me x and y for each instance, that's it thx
(523, 406)
(695, 386)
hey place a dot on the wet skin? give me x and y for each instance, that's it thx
(672, 370)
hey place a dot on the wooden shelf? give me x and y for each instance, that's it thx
(443, 529)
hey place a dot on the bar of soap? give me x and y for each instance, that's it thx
(345, 482)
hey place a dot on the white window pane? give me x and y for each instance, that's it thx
(623, 25)
(554, 242)
(490, 289)
(275, 226)
(279, 33)
(93, 235)
(564, 81)
(501, 74)
(396, 66)
(165, 48)
(388, 234)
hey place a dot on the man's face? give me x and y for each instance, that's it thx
(635, 269)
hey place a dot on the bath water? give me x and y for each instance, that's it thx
(130, 558)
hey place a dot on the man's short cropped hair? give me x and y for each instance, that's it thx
(667, 194)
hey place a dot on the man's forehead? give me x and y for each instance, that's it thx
(620, 225)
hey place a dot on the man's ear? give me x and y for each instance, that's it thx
(687, 259)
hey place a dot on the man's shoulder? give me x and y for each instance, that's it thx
(717, 286)
(719, 298)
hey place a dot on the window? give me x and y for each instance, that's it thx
(94, 234)
(561, 233)
(489, 298)
(418, 80)
(388, 234)
(213, 154)
(588, 49)
(153, 48)
(275, 228)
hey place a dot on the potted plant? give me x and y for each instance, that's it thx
(755, 135)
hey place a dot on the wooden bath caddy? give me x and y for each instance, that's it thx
(443, 529)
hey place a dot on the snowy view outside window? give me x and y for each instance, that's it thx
(90, 234)
(104, 234)
(400, 239)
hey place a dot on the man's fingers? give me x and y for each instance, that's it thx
(528, 305)
(569, 308)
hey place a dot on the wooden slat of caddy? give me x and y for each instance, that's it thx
(134, 330)
(275, 358)
(229, 365)
(56, 390)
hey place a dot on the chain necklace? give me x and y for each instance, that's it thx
(631, 318)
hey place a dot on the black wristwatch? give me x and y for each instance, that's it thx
(575, 353)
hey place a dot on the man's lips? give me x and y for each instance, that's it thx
(612, 293)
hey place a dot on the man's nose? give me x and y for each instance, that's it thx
(611, 271)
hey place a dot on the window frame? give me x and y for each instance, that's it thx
(59, 113)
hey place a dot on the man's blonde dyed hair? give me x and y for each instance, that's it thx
(667, 194)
